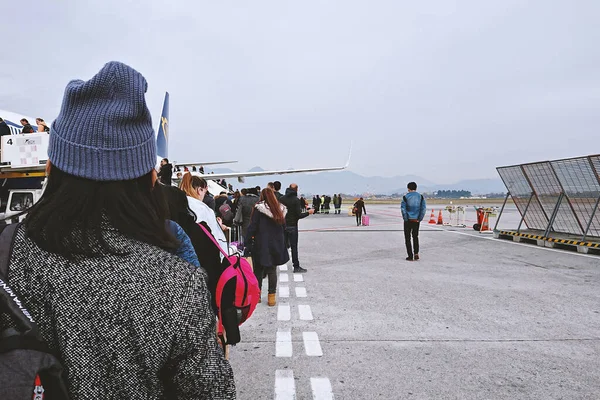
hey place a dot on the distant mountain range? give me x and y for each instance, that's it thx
(351, 183)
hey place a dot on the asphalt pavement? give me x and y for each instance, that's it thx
(475, 318)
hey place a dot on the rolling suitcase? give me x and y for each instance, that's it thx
(365, 220)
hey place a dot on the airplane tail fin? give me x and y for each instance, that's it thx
(162, 139)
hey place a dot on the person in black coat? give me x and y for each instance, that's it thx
(265, 240)
(166, 172)
(294, 213)
(4, 129)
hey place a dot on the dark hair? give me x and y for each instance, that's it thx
(412, 186)
(198, 182)
(24, 119)
(1, 120)
(277, 185)
(244, 192)
(268, 196)
(73, 212)
(166, 160)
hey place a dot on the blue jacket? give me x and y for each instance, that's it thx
(414, 207)
(186, 250)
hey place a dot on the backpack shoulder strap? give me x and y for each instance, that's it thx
(9, 300)
(7, 235)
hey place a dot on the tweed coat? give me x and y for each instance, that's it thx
(135, 326)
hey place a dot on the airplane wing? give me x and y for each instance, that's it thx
(241, 175)
(197, 164)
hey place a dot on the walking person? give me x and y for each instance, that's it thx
(359, 206)
(413, 211)
(294, 213)
(126, 319)
(265, 239)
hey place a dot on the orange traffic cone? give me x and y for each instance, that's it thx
(440, 219)
(432, 218)
(485, 226)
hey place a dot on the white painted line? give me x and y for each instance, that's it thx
(298, 278)
(285, 387)
(305, 313)
(283, 345)
(321, 388)
(284, 278)
(284, 313)
(284, 291)
(283, 267)
(300, 292)
(311, 344)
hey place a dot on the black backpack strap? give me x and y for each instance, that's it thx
(9, 299)
(7, 234)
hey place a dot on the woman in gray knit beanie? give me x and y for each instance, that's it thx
(127, 319)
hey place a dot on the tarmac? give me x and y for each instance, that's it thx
(475, 318)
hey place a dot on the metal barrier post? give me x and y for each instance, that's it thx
(525, 212)
(501, 211)
(591, 219)
(554, 213)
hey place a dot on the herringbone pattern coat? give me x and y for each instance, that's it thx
(137, 326)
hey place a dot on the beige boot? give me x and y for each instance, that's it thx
(272, 299)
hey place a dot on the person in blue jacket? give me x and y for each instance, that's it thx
(413, 211)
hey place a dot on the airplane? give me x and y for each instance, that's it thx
(215, 188)
(23, 159)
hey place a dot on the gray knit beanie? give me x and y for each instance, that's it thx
(104, 129)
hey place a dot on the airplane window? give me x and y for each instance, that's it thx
(21, 201)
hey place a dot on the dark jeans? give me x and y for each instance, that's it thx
(411, 229)
(359, 217)
(291, 239)
(271, 272)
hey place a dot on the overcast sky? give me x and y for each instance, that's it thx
(447, 90)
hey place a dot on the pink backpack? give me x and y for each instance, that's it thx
(237, 295)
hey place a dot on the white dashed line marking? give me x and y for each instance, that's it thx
(283, 267)
(285, 387)
(321, 389)
(311, 344)
(284, 291)
(300, 292)
(284, 278)
(283, 346)
(305, 313)
(298, 278)
(283, 313)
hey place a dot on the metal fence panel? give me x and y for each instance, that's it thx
(520, 191)
(548, 189)
(582, 187)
